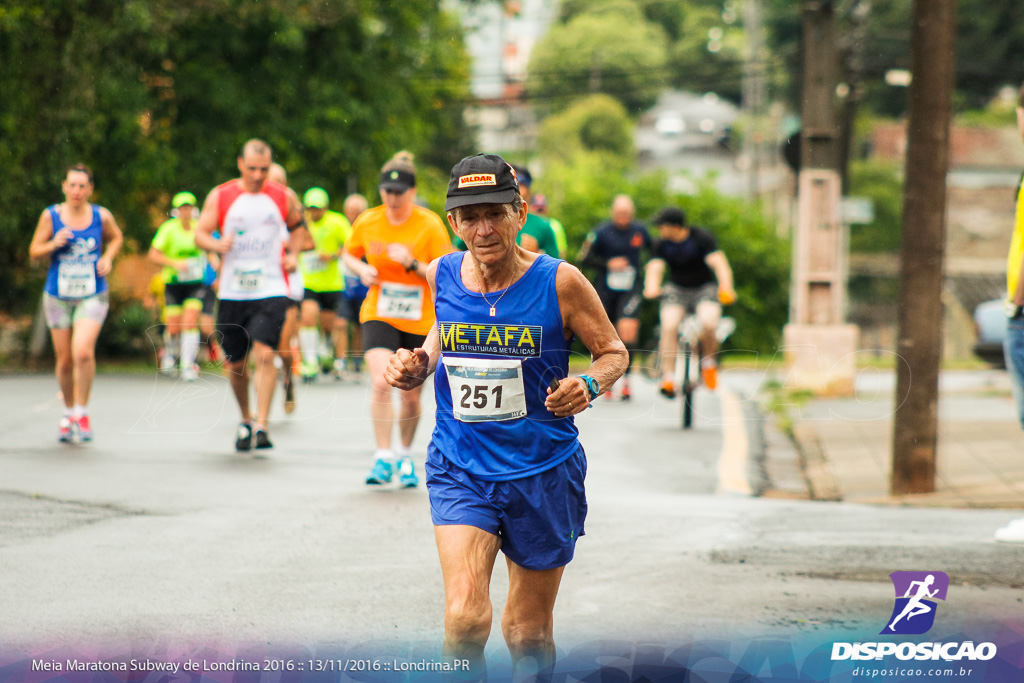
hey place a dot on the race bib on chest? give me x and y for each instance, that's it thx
(193, 270)
(312, 263)
(621, 280)
(248, 279)
(76, 279)
(486, 389)
(400, 301)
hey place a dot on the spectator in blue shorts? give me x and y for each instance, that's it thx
(505, 469)
(355, 291)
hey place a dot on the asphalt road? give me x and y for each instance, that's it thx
(158, 536)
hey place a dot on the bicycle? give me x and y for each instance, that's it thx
(687, 374)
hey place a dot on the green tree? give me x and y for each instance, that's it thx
(158, 97)
(990, 40)
(704, 42)
(596, 123)
(609, 48)
(580, 190)
(882, 184)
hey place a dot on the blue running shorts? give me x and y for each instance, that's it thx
(538, 518)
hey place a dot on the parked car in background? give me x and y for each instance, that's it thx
(990, 324)
(670, 124)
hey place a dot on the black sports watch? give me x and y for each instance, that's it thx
(592, 386)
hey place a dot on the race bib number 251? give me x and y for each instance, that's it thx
(485, 389)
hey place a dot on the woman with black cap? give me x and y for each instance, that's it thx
(398, 240)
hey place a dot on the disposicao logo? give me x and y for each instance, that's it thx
(916, 593)
(914, 614)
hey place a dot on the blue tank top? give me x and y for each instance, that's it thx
(493, 375)
(72, 273)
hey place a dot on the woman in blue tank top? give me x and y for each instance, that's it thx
(505, 469)
(72, 235)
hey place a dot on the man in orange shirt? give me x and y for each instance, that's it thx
(399, 240)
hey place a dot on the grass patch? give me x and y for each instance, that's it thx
(779, 401)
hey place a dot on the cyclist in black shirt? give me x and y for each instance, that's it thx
(700, 281)
(615, 249)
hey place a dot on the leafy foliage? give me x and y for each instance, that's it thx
(597, 123)
(702, 63)
(580, 191)
(989, 42)
(158, 97)
(610, 47)
(631, 49)
(881, 183)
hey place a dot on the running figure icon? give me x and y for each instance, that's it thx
(915, 606)
(917, 595)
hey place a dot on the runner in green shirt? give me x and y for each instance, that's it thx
(539, 206)
(184, 264)
(536, 234)
(324, 283)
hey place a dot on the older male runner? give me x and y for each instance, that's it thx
(505, 469)
(256, 218)
(615, 249)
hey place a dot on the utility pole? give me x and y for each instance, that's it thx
(753, 95)
(853, 58)
(919, 343)
(820, 347)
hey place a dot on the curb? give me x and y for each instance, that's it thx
(821, 485)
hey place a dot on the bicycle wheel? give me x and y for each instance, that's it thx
(687, 385)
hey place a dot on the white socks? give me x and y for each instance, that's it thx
(172, 345)
(308, 338)
(189, 348)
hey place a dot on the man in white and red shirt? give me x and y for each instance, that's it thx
(257, 219)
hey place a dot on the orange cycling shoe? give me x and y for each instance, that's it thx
(709, 373)
(668, 390)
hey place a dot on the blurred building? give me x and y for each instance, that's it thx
(500, 37)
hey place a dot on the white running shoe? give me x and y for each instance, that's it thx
(1012, 532)
(167, 364)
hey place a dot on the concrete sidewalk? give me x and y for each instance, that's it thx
(845, 444)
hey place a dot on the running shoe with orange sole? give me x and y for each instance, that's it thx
(668, 389)
(710, 376)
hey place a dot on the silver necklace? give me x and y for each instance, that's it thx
(494, 306)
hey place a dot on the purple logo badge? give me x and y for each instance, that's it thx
(916, 593)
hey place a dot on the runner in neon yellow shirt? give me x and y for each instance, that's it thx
(324, 283)
(174, 248)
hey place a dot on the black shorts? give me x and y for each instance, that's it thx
(349, 308)
(176, 294)
(621, 304)
(380, 335)
(242, 323)
(328, 301)
(209, 300)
